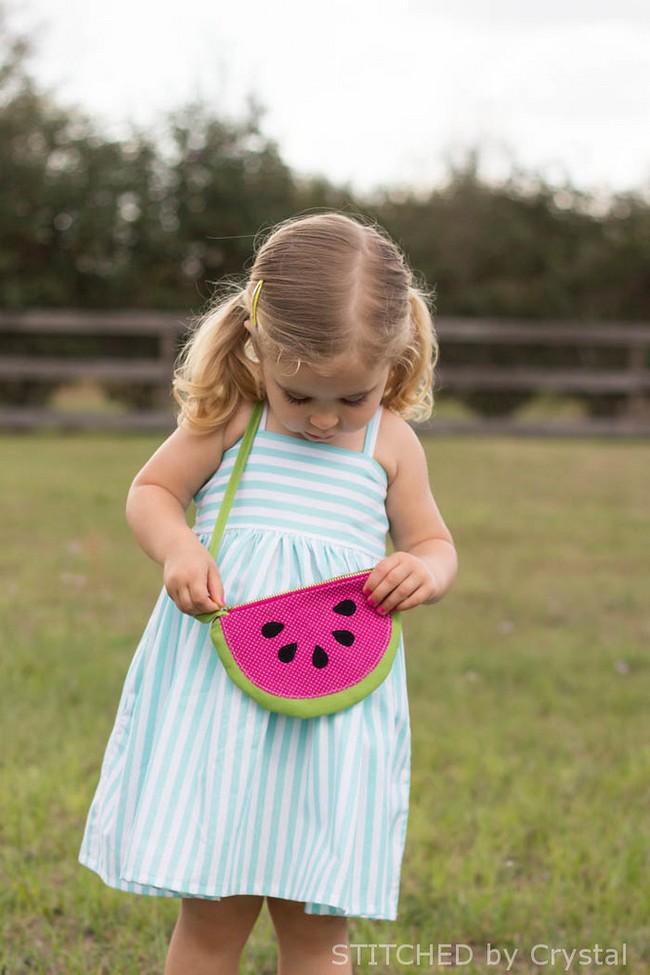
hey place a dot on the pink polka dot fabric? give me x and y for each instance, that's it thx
(311, 651)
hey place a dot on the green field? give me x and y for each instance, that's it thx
(529, 690)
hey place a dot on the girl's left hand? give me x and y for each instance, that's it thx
(401, 581)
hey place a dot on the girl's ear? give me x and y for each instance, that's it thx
(248, 326)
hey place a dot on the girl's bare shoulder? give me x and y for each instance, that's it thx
(395, 437)
(186, 459)
(234, 428)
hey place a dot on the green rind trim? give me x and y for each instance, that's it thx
(309, 707)
(205, 617)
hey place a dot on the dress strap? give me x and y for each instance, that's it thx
(371, 432)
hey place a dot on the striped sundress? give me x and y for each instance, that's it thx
(203, 792)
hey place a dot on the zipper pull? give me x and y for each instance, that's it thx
(211, 617)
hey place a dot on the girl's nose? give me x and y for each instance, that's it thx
(323, 421)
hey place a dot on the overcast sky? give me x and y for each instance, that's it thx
(375, 92)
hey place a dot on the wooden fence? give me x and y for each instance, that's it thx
(36, 356)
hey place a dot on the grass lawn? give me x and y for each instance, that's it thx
(529, 687)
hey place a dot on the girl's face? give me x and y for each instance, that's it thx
(324, 408)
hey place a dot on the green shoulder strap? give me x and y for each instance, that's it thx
(226, 504)
(235, 477)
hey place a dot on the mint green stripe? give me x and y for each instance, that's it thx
(197, 736)
(262, 810)
(276, 516)
(220, 475)
(344, 510)
(140, 746)
(260, 497)
(319, 475)
(165, 770)
(351, 538)
(285, 729)
(262, 474)
(299, 728)
(355, 460)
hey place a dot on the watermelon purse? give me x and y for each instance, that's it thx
(307, 652)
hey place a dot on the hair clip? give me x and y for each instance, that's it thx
(256, 295)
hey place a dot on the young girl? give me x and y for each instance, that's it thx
(205, 794)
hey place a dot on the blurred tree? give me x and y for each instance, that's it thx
(66, 195)
(525, 250)
(224, 181)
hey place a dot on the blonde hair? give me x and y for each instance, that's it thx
(333, 286)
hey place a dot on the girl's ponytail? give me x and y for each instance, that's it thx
(409, 391)
(214, 373)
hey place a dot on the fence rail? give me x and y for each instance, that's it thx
(36, 357)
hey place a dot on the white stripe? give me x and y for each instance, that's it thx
(358, 466)
(347, 486)
(170, 760)
(352, 486)
(254, 499)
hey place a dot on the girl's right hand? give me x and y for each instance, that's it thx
(192, 580)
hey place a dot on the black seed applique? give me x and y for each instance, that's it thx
(319, 658)
(272, 629)
(287, 652)
(346, 608)
(344, 637)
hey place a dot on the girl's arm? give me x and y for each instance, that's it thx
(155, 509)
(424, 563)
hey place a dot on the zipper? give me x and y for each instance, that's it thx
(227, 609)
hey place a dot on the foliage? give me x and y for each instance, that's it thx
(152, 220)
(526, 249)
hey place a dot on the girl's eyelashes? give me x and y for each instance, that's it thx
(295, 399)
(306, 399)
